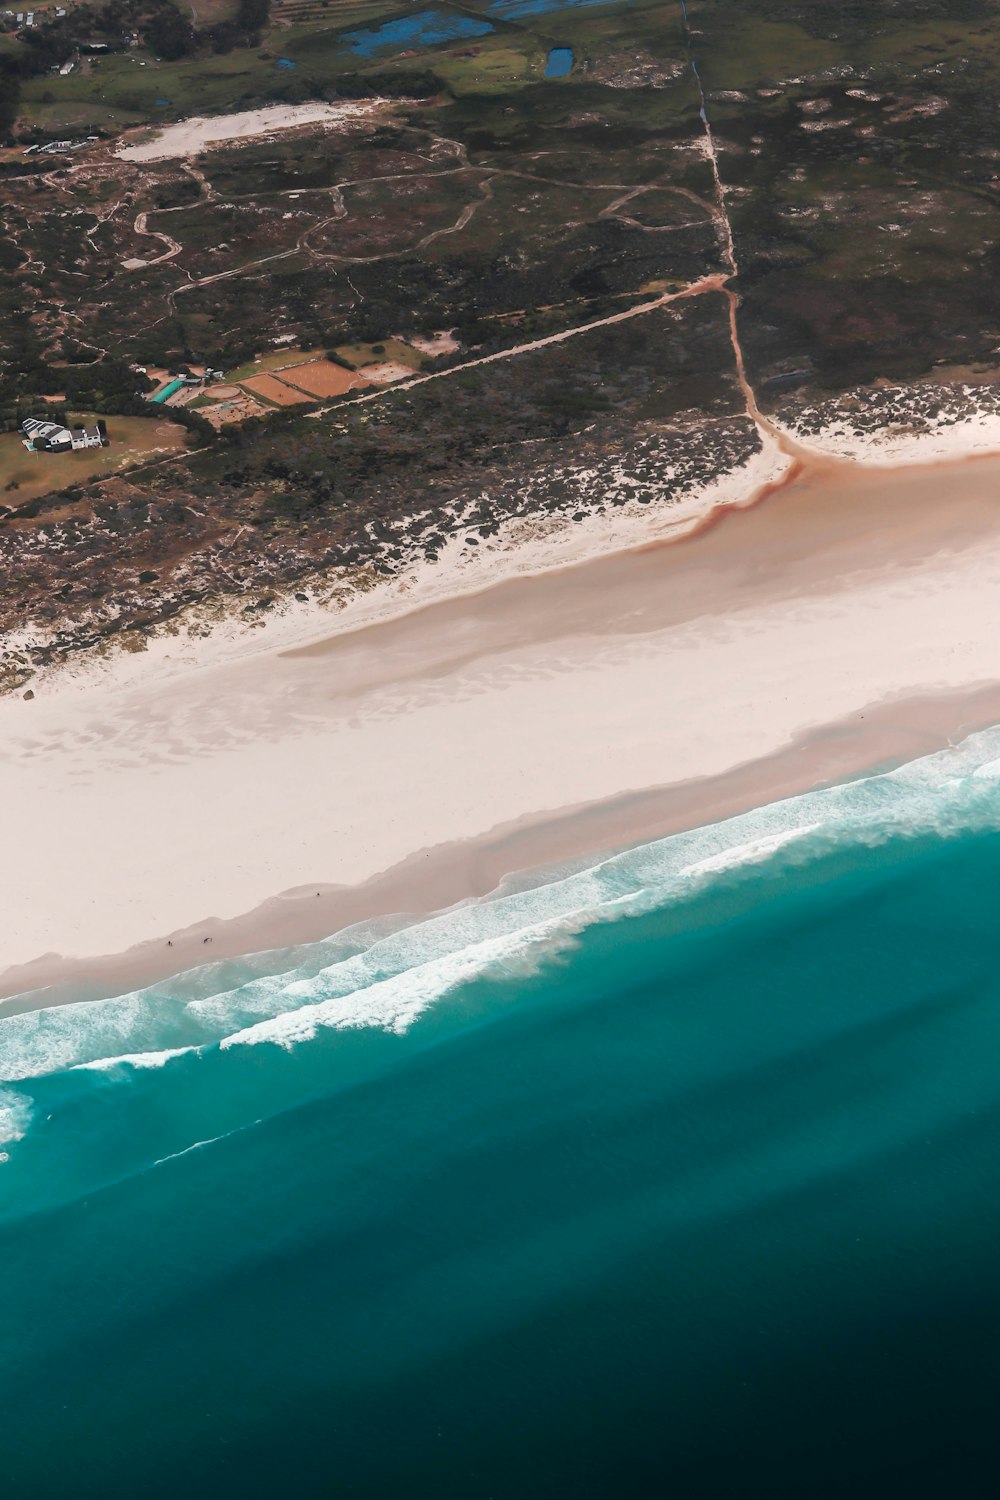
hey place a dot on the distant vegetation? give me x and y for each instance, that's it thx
(857, 144)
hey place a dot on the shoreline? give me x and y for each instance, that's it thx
(205, 636)
(878, 738)
(502, 729)
(522, 549)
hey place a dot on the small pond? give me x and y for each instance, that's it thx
(559, 62)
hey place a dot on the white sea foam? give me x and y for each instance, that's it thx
(752, 853)
(135, 1059)
(378, 974)
(15, 1115)
(393, 1004)
(194, 1146)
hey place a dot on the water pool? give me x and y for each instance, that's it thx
(426, 29)
(559, 62)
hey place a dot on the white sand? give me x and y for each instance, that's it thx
(891, 446)
(132, 811)
(189, 137)
(524, 547)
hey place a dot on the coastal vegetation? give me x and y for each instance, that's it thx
(475, 198)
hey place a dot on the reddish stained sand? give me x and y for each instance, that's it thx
(273, 390)
(321, 378)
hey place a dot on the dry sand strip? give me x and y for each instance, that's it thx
(137, 812)
(191, 137)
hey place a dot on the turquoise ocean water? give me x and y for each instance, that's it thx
(678, 1174)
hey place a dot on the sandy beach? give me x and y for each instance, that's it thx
(845, 621)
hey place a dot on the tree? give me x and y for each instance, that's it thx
(170, 35)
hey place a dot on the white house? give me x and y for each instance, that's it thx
(51, 437)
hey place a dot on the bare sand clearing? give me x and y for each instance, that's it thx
(189, 137)
(323, 378)
(274, 390)
(387, 372)
(843, 622)
(442, 342)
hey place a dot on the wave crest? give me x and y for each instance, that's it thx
(384, 975)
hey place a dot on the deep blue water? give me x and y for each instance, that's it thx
(559, 62)
(678, 1174)
(427, 28)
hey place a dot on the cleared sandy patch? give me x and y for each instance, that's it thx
(237, 409)
(321, 378)
(221, 392)
(189, 137)
(273, 390)
(442, 342)
(386, 373)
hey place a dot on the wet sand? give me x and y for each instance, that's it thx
(846, 621)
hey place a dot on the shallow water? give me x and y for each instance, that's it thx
(678, 1172)
(426, 29)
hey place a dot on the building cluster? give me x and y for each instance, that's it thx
(177, 390)
(56, 148)
(27, 19)
(51, 437)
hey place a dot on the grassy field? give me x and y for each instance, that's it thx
(210, 12)
(281, 359)
(123, 90)
(326, 13)
(360, 355)
(492, 65)
(25, 476)
(739, 48)
(119, 91)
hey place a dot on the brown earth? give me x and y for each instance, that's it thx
(273, 390)
(321, 378)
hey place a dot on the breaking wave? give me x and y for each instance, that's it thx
(15, 1113)
(383, 974)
